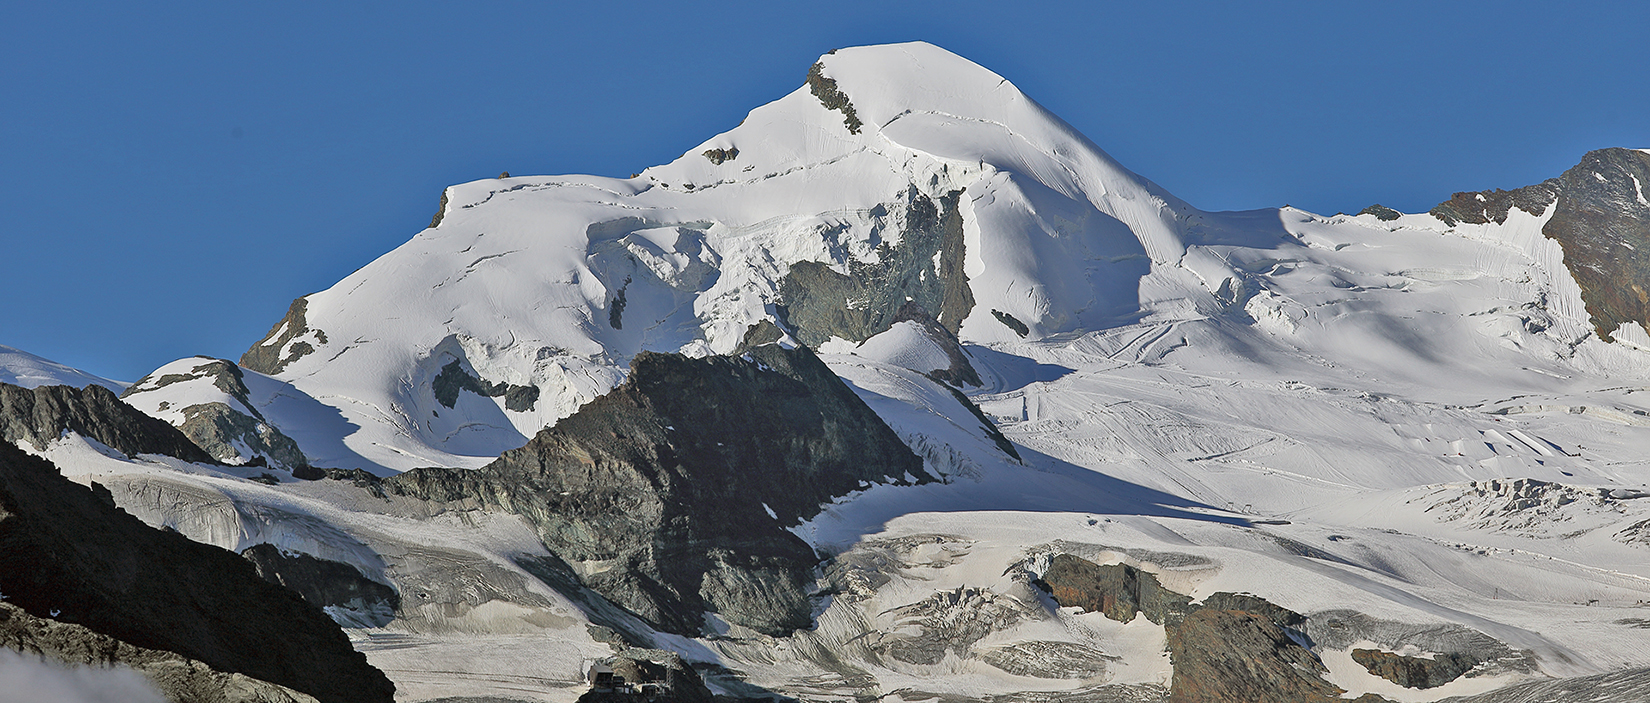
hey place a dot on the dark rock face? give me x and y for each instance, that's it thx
(1413, 672)
(220, 429)
(1602, 220)
(453, 378)
(1228, 656)
(721, 156)
(67, 551)
(813, 294)
(217, 428)
(1231, 648)
(174, 676)
(276, 350)
(1494, 205)
(1011, 322)
(327, 584)
(440, 211)
(1382, 212)
(40, 415)
(658, 494)
(1118, 590)
(832, 97)
(1603, 223)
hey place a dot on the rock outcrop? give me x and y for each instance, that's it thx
(233, 432)
(1117, 590)
(1601, 218)
(178, 678)
(41, 415)
(670, 495)
(1230, 648)
(1413, 672)
(925, 267)
(453, 378)
(290, 339)
(72, 557)
(338, 588)
(1229, 656)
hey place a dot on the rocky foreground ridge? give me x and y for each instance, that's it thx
(73, 558)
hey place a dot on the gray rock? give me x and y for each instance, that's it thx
(277, 349)
(1382, 212)
(1049, 660)
(1413, 672)
(832, 97)
(1222, 656)
(669, 495)
(70, 556)
(40, 415)
(812, 294)
(454, 378)
(178, 678)
(223, 430)
(340, 589)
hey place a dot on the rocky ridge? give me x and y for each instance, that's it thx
(178, 678)
(656, 505)
(39, 416)
(1602, 221)
(233, 432)
(72, 557)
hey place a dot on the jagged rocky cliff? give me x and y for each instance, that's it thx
(670, 495)
(72, 557)
(39, 416)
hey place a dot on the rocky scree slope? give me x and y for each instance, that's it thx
(670, 495)
(71, 556)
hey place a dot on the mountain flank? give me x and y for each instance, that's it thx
(670, 495)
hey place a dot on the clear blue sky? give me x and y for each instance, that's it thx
(175, 173)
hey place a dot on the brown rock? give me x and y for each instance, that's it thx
(1231, 656)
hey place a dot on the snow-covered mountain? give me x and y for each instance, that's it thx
(1420, 435)
(21, 368)
(931, 179)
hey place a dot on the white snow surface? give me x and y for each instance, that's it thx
(21, 368)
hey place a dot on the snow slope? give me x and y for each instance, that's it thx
(21, 368)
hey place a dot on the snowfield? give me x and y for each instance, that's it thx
(1405, 419)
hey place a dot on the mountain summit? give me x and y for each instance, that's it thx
(893, 174)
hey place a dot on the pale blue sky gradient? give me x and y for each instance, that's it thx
(174, 174)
